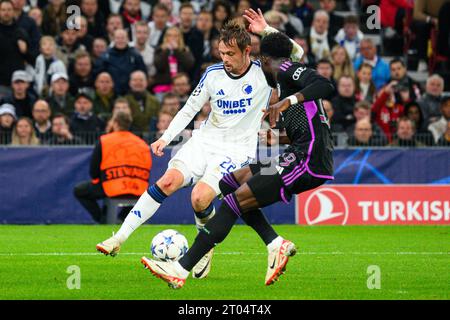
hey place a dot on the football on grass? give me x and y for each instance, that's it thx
(169, 245)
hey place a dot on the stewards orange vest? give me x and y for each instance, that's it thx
(126, 163)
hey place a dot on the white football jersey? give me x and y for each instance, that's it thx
(237, 103)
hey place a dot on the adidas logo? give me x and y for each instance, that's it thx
(136, 213)
(220, 93)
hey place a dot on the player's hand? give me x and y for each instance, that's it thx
(158, 146)
(274, 111)
(256, 20)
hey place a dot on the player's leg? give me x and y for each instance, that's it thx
(255, 218)
(144, 209)
(180, 172)
(216, 230)
(202, 197)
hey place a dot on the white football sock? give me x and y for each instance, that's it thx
(143, 210)
(201, 222)
(275, 243)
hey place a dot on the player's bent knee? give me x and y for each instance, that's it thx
(201, 197)
(170, 182)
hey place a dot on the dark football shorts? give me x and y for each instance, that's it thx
(271, 184)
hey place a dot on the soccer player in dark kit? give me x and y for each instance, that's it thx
(306, 164)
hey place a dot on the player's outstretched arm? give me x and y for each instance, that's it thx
(259, 26)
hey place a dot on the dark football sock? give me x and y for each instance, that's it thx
(214, 232)
(258, 221)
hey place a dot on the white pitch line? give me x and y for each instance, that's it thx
(223, 253)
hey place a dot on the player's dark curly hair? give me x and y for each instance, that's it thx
(276, 45)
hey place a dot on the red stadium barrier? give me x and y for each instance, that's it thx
(374, 205)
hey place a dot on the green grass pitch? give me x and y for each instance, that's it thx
(332, 263)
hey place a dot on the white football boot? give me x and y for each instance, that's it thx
(277, 260)
(110, 246)
(202, 268)
(170, 272)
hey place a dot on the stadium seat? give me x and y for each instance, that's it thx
(112, 204)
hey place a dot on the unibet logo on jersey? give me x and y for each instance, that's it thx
(234, 106)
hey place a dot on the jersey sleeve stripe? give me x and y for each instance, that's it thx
(208, 70)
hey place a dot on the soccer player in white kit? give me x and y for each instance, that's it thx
(238, 92)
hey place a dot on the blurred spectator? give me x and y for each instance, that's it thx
(28, 25)
(320, 40)
(405, 136)
(84, 123)
(95, 18)
(140, 43)
(342, 64)
(308, 58)
(215, 53)
(122, 105)
(362, 110)
(380, 71)
(325, 68)
(394, 13)
(438, 127)
(303, 10)
(82, 33)
(336, 22)
(36, 14)
(114, 23)
(159, 24)
(444, 140)
(414, 113)
(131, 14)
(41, 121)
(54, 17)
(172, 57)
(329, 110)
(387, 110)
(255, 43)
(202, 115)
(23, 133)
(61, 134)
(21, 97)
(430, 101)
(426, 16)
(7, 120)
(171, 104)
(82, 79)
(144, 106)
(363, 136)
(181, 86)
(293, 24)
(350, 36)
(344, 102)
(99, 47)
(104, 95)
(221, 13)
(241, 6)
(59, 99)
(399, 73)
(115, 151)
(443, 41)
(47, 64)
(205, 26)
(164, 120)
(174, 7)
(192, 37)
(120, 61)
(14, 47)
(365, 87)
(68, 46)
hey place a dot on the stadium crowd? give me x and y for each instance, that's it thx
(62, 76)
